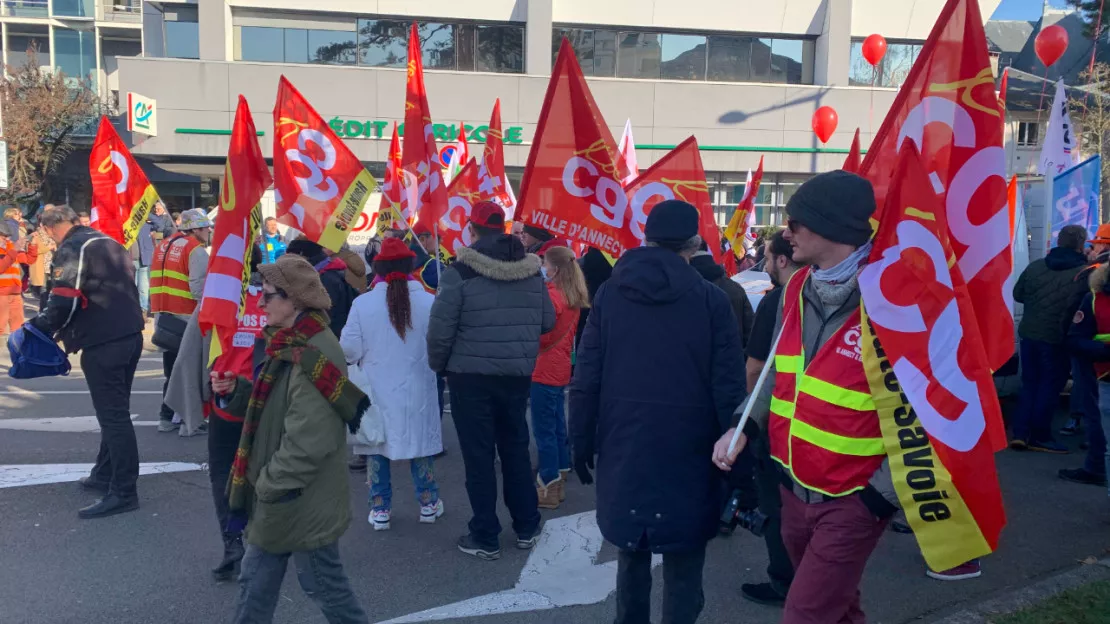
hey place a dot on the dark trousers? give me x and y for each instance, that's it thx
(441, 385)
(169, 358)
(223, 442)
(489, 415)
(683, 599)
(1044, 371)
(779, 568)
(1084, 392)
(109, 370)
(320, 573)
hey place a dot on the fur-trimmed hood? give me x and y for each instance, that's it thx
(499, 259)
(1099, 277)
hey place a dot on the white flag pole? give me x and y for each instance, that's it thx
(754, 393)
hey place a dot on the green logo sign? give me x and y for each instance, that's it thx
(444, 133)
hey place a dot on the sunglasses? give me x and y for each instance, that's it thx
(792, 225)
(267, 297)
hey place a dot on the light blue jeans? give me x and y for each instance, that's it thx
(381, 486)
(142, 282)
(1104, 409)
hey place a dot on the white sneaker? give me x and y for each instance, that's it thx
(429, 513)
(379, 520)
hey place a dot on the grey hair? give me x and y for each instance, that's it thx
(54, 215)
(690, 245)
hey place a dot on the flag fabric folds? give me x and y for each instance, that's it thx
(122, 195)
(425, 195)
(738, 234)
(459, 157)
(1059, 151)
(461, 197)
(390, 214)
(852, 162)
(627, 150)
(493, 185)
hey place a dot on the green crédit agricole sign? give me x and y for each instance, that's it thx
(444, 133)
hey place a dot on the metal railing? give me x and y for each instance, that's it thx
(25, 8)
(121, 10)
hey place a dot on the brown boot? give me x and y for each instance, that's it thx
(563, 488)
(548, 493)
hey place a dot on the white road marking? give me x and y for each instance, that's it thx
(63, 424)
(38, 474)
(37, 393)
(560, 573)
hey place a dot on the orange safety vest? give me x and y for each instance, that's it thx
(823, 425)
(240, 358)
(11, 279)
(169, 276)
(1100, 307)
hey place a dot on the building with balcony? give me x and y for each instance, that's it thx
(744, 81)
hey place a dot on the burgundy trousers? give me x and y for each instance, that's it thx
(829, 544)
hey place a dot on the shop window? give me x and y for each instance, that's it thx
(683, 57)
(638, 55)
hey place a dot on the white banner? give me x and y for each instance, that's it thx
(1059, 151)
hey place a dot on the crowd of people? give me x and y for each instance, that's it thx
(349, 368)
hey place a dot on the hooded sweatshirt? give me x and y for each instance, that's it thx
(1050, 290)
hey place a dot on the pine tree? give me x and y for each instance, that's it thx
(1089, 10)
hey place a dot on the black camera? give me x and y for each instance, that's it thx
(733, 516)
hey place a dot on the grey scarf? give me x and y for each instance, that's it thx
(835, 285)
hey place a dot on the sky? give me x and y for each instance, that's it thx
(1023, 9)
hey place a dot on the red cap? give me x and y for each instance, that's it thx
(555, 242)
(420, 229)
(488, 215)
(394, 249)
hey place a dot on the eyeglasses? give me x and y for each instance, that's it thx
(267, 297)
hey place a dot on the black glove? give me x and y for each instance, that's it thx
(583, 464)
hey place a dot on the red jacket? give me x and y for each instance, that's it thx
(11, 282)
(553, 362)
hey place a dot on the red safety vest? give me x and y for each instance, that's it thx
(240, 359)
(1100, 307)
(823, 426)
(169, 276)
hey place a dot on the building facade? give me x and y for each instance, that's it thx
(744, 81)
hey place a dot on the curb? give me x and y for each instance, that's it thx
(1030, 595)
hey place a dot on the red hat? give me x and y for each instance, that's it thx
(394, 249)
(555, 242)
(420, 229)
(488, 215)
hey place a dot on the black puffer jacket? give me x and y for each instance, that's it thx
(491, 308)
(1050, 289)
(741, 305)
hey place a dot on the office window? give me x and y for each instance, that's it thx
(437, 45)
(75, 53)
(596, 49)
(500, 49)
(892, 70)
(638, 55)
(261, 44)
(787, 59)
(730, 58)
(182, 40)
(683, 57)
(74, 8)
(761, 60)
(382, 43)
(1029, 134)
(20, 43)
(331, 47)
(296, 45)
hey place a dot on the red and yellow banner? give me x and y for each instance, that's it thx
(390, 215)
(948, 108)
(461, 197)
(738, 233)
(321, 186)
(122, 195)
(926, 365)
(493, 184)
(425, 196)
(246, 178)
(853, 160)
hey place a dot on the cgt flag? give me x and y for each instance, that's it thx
(122, 196)
(852, 161)
(461, 197)
(246, 178)
(927, 369)
(627, 150)
(320, 186)
(492, 183)
(738, 234)
(948, 108)
(390, 215)
(573, 175)
(425, 194)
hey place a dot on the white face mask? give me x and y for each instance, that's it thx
(543, 272)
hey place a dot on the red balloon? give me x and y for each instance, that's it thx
(824, 123)
(1050, 44)
(874, 49)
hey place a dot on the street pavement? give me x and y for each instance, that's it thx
(151, 566)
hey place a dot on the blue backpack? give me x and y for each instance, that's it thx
(34, 354)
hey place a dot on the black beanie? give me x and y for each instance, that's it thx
(307, 249)
(538, 233)
(835, 205)
(671, 222)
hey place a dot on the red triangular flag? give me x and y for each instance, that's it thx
(852, 162)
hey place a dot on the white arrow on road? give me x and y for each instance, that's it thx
(17, 475)
(560, 573)
(63, 424)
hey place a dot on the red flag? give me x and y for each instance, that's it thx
(949, 109)
(1011, 205)
(739, 231)
(492, 182)
(929, 351)
(677, 175)
(851, 163)
(572, 183)
(461, 197)
(425, 196)
(122, 196)
(1002, 85)
(246, 178)
(320, 186)
(390, 214)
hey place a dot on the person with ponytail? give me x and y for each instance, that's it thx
(567, 287)
(385, 338)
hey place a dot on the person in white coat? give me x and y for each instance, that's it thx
(385, 336)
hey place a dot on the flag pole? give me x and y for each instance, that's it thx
(754, 393)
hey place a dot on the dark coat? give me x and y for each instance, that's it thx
(1081, 335)
(333, 275)
(741, 305)
(1050, 289)
(659, 373)
(596, 269)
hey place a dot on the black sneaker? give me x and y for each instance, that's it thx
(763, 593)
(1081, 475)
(474, 549)
(529, 542)
(1071, 427)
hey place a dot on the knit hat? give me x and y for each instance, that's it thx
(554, 242)
(836, 206)
(194, 219)
(305, 248)
(539, 234)
(671, 222)
(393, 249)
(299, 280)
(488, 215)
(1102, 235)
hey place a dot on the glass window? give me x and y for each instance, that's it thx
(683, 57)
(75, 53)
(74, 8)
(596, 49)
(500, 49)
(897, 63)
(182, 40)
(466, 37)
(20, 43)
(331, 47)
(437, 45)
(296, 45)
(787, 59)
(860, 72)
(1028, 133)
(605, 53)
(638, 55)
(761, 60)
(120, 47)
(730, 58)
(261, 44)
(382, 43)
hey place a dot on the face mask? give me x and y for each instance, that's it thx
(543, 272)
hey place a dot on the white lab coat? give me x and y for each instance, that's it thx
(402, 386)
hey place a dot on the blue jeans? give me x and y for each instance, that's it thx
(381, 484)
(1044, 371)
(549, 426)
(1085, 391)
(142, 282)
(321, 576)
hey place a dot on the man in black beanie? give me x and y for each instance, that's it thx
(658, 376)
(534, 238)
(823, 427)
(333, 275)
